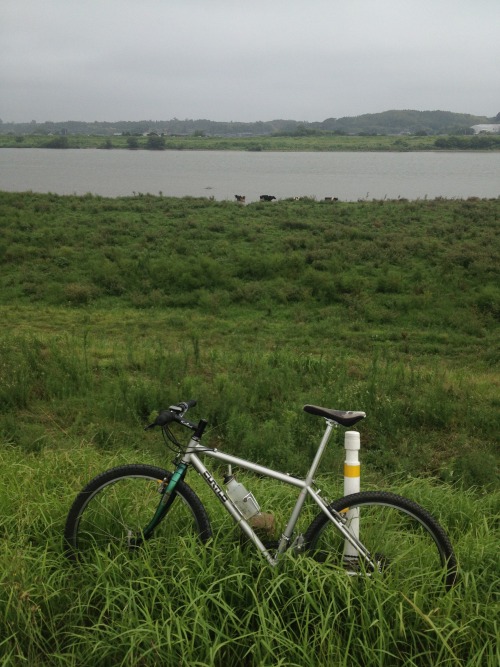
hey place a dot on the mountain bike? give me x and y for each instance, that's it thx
(370, 534)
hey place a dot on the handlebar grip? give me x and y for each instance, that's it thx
(187, 404)
(165, 417)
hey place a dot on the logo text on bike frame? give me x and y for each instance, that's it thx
(218, 491)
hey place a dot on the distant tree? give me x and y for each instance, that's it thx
(303, 131)
(57, 142)
(133, 143)
(460, 130)
(155, 143)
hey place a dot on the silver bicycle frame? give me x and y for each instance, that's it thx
(305, 485)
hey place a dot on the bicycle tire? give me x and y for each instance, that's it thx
(410, 549)
(113, 509)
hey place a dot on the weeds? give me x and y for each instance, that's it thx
(113, 309)
(421, 419)
(222, 605)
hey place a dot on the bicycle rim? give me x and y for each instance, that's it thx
(408, 549)
(110, 515)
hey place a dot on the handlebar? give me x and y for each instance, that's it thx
(175, 413)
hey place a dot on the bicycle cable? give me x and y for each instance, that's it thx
(169, 437)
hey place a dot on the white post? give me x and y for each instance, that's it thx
(352, 484)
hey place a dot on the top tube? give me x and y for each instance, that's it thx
(196, 448)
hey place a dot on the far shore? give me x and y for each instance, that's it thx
(310, 143)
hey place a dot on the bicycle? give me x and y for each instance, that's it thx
(364, 534)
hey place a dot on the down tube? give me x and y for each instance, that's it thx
(229, 507)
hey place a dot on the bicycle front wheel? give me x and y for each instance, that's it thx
(407, 547)
(112, 512)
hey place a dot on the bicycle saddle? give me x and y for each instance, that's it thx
(342, 417)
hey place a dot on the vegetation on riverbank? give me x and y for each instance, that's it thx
(402, 297)
(114, 308)
(328, 142)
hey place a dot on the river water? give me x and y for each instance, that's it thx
(221, 175)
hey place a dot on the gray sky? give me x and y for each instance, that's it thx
(249, 60)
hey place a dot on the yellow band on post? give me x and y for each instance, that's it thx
(351, 470)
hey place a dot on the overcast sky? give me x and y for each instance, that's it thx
(248, 60)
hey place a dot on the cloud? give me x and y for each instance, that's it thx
(230, 60)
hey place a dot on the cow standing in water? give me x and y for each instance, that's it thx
(267, 197)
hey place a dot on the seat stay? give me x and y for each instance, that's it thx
(349, 536)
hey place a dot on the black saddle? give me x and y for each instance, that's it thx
(342, 417)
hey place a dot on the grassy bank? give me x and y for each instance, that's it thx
(391, 307)
(265, 143)
(113, 308)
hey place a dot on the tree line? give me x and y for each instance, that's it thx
(387, 122)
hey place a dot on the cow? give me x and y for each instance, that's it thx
(331, 198)
(267, 197)
(240, 198)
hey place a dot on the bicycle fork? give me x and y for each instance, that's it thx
(167, 491)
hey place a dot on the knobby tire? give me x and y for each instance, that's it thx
(112, 511)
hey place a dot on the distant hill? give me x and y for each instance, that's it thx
(387, 122)
(397, 122)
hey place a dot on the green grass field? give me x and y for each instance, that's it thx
(114, 308)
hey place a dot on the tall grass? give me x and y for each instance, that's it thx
(419, 419)
(387, 307)
(429, 263)
(222, 605)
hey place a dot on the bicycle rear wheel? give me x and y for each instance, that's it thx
(407, 546)
(113, 510)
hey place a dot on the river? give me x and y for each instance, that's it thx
(221, 175)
